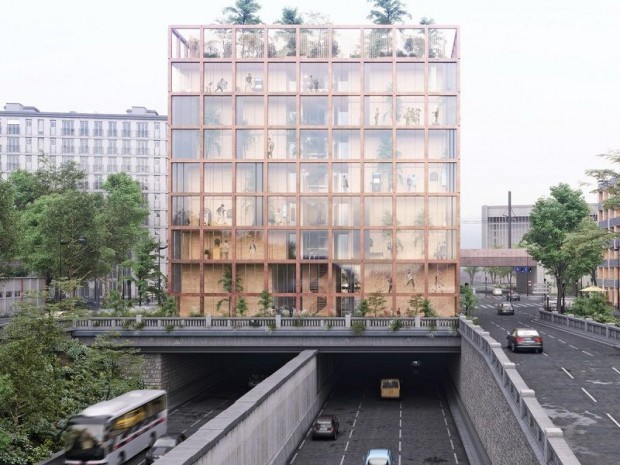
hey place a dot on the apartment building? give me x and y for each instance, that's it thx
(100, 143)
(317, 163)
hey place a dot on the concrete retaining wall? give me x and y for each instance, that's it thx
(265, 425)
(510, 422)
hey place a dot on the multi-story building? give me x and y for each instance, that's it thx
(100, 143)
(608, 273)
(317, 163)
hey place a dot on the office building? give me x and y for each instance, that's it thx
(316, 164)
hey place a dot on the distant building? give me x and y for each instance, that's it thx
(495, 224)
(317, 162)
(608, 274)
(100, 144)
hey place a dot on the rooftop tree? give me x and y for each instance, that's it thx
(290, 16)
(244, 12)
(388, 12)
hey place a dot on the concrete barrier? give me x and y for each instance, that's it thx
(265, 425)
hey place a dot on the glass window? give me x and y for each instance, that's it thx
(377, 246)
(250, 111)
(185, 211)
(313, 211)
(314, 245)
(314, 43)
(313, 144)
(314, 111)
(314, 177)
(377, 43)
(218, 144)
(250, 43)
(378, 144)
(282, 245)
(410, 77)
(282, 177)
(282, 280)
(409, 143)
(185, 77)
(217, 43)
(442, 43)
(250, 245)
(250, 144)
(250, 275)
(412, 246)
(443, 111)
(218, 177)
(346, 211)
(378, 111)
(378, 211)
(346, 143)
(313, 279)
(250, 77)
(378, 77)
(282, 211)
(410, 110)
(282, 111)
(410, 43)
(185, 43)
(442, 177)
(249, 177)
(410, 211)
(410, 177)
(185, 112)
(346, 43)
(218, 211)
(185, 177)
(346, 77)
(442, 245)
(218, 111)
(442, 77)
(314, 77)
(185, 143)
(442, 144)
(346, 110)
(442, 211)
(127, 126)
(282, 43)
(282, 77)
(218, 77)
(249, 211)
(346, 177)
(378, 177)
(281, 144)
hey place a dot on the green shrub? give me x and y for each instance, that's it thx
(169, 328)
(395, 325)
(358, 327)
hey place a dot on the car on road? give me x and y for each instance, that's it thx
(525, 338)
(513, 296)
(163, 445)
(255, 379)
(497, 291)
(379, 457)
(325, 426)
(505, 308)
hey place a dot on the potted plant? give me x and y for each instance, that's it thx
(208, 253)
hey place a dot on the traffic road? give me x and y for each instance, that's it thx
(418, 428)
(576, 379)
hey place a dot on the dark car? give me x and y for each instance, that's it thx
(163, 445)
(255, 379)
(505, 308)
(325, 426)
(525, 338)
(513, 296)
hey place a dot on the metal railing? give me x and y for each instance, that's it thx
(603, 330)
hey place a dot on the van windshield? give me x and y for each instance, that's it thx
(390, 383)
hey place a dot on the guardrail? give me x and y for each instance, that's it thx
(208, 322)
(603, 330)
(548, 439)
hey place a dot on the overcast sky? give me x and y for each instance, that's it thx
(540, 81)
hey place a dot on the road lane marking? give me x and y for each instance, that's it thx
(354, 422)
(551, 336)
(294, 457)
(456, 459)
(346, 447)
(577, 348)
(589, 395)
(569, 375)
(587, 353)
(350, 434)
(545, 354)
(400, 446)
(563, 342)
(613, 419)
(302, 444)
(342, 459)
(615, 370)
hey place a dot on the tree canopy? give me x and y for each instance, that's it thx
(388, 12)
(244, 12)
(563, 237)
(290, 16)
(608, 179)
(9, 226)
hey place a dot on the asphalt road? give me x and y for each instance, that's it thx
(576, 379)
(419, 428)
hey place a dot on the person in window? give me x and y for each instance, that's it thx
(252, 248)
(221, 85)
(270, 146)
(376, 117)
(248, 82)
(388, 280)
(410, 279)
(221, 214)
(345, 183)
(225, 249)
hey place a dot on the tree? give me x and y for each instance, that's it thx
(363, 308)
(586, 246)
(227, 284)
(376, 302)
(388, 12)
(552, 220)
(265, 300)
(242, 306)
(415, 304)
(244, 12)
(290, 16)
(427, 309)
(145, 269)
(468, 300)
(471, 272)
(9, 222)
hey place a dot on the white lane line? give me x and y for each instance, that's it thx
(451, 444)
(346, 447)
(456, 459)
(573, 347)
(449, 434)
(615, 370)
(354, 422)
(613, 419)
(589, 395)
(302, 444)
(563, 342)
(350, 434)
(342, 459)
(587, 353)
(294, 457)
(569, 375)
(552, 337)
(400, 433)
(400, 423)
(545, 354)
